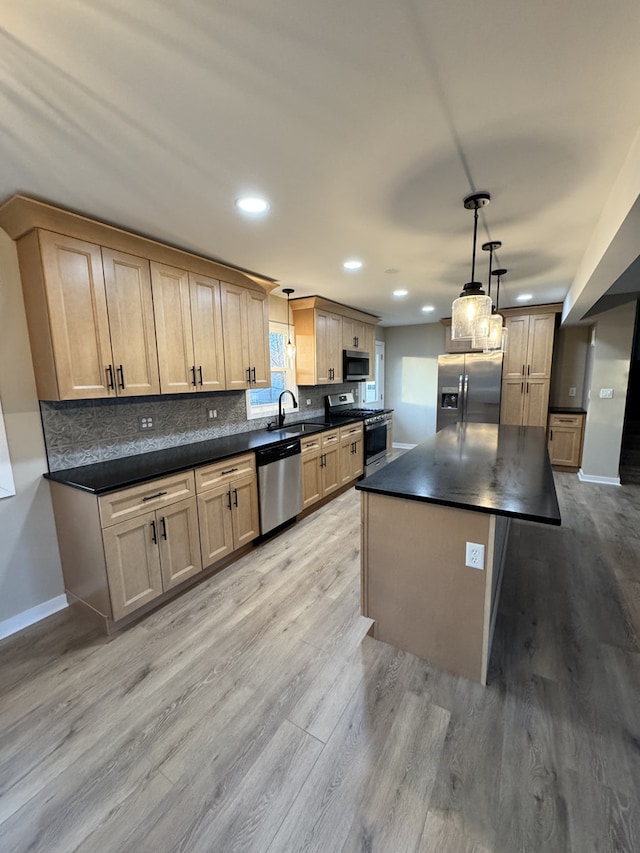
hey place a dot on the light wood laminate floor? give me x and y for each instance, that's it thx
(253, 714)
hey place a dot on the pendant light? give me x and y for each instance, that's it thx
(290, 348)
(497, 338)
(472, 305)
(482, 330)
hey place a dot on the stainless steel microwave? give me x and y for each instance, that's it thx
(355, 365)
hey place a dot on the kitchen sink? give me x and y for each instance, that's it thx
(302, 429)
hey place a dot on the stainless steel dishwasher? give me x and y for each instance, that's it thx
(279, 484)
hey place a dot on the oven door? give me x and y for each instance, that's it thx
(375, 442)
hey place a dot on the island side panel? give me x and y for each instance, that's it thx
(416, 585)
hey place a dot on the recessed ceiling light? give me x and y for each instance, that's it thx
(352, 265)
(428, 309)
(252, 204)
(524, 297)
(400, 292)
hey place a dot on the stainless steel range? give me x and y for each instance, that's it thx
(375, 427)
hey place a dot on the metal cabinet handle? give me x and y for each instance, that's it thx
(193, 373)
(164, 527)
(110, 384)
(229, 499)
(565, 420)
(200, 373)
(228, 471)
(527, 387)
(154, 537)
(153, 497)
(120, 372)
(522, 387)
(235, 497)
(248, 372)
(528, 369)
(550, 435)
(253, 370)
(522, 374)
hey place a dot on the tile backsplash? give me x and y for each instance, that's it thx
(81, 432)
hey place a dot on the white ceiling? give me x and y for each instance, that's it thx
(365, 123)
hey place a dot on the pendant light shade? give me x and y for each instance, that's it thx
(290, 348)
(472, 309)
(482, 337)
(497, 338)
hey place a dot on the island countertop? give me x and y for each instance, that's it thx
(491, 468)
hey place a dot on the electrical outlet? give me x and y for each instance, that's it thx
(145, 422)
(308, 402)
(212, 414)
(572, 391)
(606, 393)
(475, 555)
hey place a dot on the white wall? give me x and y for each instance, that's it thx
(608, 368)
(30, 572)
(411, 379)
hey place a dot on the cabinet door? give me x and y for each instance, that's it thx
(334, 337)
(330, 470)
(536, 400)
(346, 461)
(515, 357)
(512, 402)
(540, 345)
(133, 335)
(236, 349)
(245, 516)
(354, 334)
(76, 298)
(216, 528)
(370, 347)
(133, 563)
(179, 542)
(323, 360)
(172, 310)
(564, 446)
(357, 460)
(311, 479)
(258, 338)
(206, 323)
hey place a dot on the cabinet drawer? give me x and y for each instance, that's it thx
(210, 476)
(351, 431)
(309, 445)
(130, 503)
(330, 437)
(565, 420)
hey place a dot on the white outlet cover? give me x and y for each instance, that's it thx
(475, 555)
(572, 391)
(606, 393)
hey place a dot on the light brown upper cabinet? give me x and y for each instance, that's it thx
(245, 325)
(111, 313)
(133, 336)
(188, 330)
(526, 370)
(354, 334)
(91, 327)
(324, 329)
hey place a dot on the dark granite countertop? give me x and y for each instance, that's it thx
(116, 474)
(504, 470)
(567, 410)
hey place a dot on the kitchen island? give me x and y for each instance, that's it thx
(463, 485)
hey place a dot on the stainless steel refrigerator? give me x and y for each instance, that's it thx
(469, 387)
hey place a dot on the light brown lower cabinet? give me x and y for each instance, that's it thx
(326, 458)
(227, 507)
(149, 555)
(565, 437)
(123, 550)
(351, 458)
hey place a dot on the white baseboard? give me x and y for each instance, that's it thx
(31, 616)
(400, 446)
(591, 478)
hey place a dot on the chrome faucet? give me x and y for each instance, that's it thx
(281, 414)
